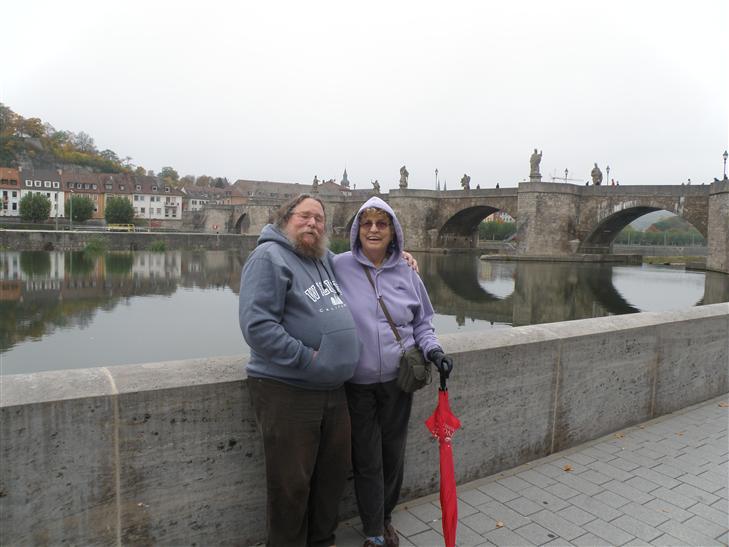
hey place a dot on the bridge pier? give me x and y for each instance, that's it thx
(547, 219)
(718, 231)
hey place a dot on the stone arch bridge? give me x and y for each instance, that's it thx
(553, 219)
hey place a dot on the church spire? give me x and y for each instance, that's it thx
(345, 180)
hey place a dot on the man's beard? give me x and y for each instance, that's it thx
(314, 249)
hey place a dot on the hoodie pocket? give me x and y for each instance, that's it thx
(337, 357)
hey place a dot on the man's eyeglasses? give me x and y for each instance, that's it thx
(306, 217)
(380, 224)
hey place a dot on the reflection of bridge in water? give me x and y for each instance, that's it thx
(542, 292)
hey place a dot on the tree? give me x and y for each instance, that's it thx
(204, 180)
(109, 155)
(82, 207)
(169, 173)
(119, 211)
(187, 180)
(35, 207)
(220, 182)
(84, 142)
(140, 171)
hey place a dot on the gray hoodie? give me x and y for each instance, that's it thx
(289, 306)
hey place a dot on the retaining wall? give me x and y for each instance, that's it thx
(168, 453)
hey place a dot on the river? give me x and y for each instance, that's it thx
(70, 310)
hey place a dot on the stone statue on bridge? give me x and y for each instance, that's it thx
(376, 187)
(596, 175)
(466, 182)
(404, 177)
(315, 185)
(534, 161)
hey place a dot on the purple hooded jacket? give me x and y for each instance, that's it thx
(404, 295)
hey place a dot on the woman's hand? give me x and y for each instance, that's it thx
(407, 257)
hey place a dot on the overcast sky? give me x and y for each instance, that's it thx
(284, 91)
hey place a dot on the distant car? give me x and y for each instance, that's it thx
(120, 227)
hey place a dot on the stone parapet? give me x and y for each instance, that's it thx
(168, 453)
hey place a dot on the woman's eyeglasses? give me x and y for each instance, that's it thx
(380, 224)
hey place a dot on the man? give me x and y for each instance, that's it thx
(303, 347)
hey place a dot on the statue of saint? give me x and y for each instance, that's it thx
(404, 177)
(534, 161)
(315, 185)
(596, 175)
(376, 187)
(466, 182)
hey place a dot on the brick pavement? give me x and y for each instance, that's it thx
(663, 482)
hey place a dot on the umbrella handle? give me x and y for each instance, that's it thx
(443, 380)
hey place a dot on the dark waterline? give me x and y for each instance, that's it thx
(69, 310)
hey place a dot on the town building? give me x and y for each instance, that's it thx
(9, 192)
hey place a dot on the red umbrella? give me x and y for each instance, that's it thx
(442, 425)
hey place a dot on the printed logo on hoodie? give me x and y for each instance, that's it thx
(326, 288)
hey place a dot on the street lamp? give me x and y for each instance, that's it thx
(70, 207)
(725, 155)
(607, 176)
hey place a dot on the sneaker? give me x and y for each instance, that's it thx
(391, 537)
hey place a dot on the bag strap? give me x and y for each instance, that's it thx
(384, 308)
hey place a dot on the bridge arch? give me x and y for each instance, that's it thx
(601, 237)
(242, 224)
(461, 229)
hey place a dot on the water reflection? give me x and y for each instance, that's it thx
(68, 310)
(525, 293)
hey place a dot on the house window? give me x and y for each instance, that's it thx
(154, 188)
(108, 186)
(86, 186)
(37, 183)
(174, 213)
(138, 187)
(15, 194)
(159, 211)
(56, 184)
(121, 187)
(167, 188)
(29, 183)
(47, 183)
(93, 186)
(15, 206)
(141, 210)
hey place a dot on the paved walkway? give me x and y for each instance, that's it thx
(663, 482)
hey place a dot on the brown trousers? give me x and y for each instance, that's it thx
(306, 444)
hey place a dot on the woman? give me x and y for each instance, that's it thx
(378, 409)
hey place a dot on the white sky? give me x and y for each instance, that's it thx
(282, 91)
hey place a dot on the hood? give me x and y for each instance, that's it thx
(271, 232)
(354, 245)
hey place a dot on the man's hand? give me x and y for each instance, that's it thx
(407, 257)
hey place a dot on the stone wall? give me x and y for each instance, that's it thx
(39, 240)
(168, 453)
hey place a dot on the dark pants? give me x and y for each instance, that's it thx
(306, 437)
(380, 415)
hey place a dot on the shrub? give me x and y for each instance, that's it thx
(35, 207)
(118, 211)
(95, 246)
(81, 206)
(157, 246)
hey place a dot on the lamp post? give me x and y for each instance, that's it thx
(566, 171)
(437, 186)
(725, 155)
(607, 175)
